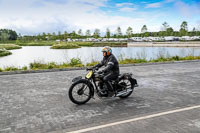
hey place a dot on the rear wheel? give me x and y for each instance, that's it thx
(80, 92)
(127, 86)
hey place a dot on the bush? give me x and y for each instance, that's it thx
(92, 64)
(65, 46)
(75, 61)
(25, 68)
(11, 69)
(52, 65)
(1, 70)
(38, 65)
(4, 52)
(176, 58)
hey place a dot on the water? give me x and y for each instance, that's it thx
(26, 55)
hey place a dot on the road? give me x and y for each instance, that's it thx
(39, 103)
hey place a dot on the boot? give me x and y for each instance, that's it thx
(110, 88)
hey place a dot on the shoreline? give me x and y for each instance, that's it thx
(164, 44)
(83, 68)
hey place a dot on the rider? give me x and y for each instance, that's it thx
(111, 70)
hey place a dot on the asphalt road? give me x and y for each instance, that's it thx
(39, 103)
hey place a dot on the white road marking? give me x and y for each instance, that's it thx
(135, 119)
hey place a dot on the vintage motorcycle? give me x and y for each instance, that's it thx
(82, 90)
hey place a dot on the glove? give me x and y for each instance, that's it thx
(101, 71)
(96, 68)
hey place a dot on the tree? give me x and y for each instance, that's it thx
(80, 32)
(73, 34)
(4, 36)
(96, 33)
(165, 25)
(169, 31)
(119, 32)
(183, 28)
(49, 36)
(53, 36)
(59, 35)
(107, 33)
(43, 36)
(129, 32)
(12, 35)
(65, 35)
(39, 37)
(144, 29)
(194, 29)
(87, 33)
(7, 34)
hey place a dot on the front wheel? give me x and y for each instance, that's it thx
(80, 92)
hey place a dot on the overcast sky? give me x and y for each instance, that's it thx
(37, 16)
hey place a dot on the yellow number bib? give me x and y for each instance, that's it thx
(89, 74)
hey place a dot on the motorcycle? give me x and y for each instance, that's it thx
(83, 89)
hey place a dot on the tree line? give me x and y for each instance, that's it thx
(6, 34)
(165, 30)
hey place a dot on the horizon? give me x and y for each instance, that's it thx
(37, 16)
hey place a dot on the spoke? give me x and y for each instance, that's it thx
(85, 94)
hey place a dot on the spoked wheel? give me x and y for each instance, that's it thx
(80, 93)
(126, 85)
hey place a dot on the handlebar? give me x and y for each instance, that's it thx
(92, 68)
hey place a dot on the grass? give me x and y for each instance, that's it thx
(4, 52)
(9, 46)
(36, 43)
(112, 44)
(65, 45)
(8, 42)
(85, 44)
(92, 63)
(76, 62)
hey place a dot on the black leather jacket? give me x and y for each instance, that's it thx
(111, 64)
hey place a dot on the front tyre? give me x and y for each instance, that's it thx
(80, 92)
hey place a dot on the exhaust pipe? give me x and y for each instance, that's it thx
(123, 92)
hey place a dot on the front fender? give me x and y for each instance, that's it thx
(88, 83)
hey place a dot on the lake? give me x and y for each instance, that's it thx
(26, 55)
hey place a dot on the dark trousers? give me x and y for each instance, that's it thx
(108, 77)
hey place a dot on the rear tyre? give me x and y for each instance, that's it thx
(80, 92)
(128, 85)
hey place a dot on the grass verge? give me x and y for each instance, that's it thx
(9, 46)
(4, 52)
(76, 62)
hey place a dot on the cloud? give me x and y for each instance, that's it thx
(187, 10)
(154, 5)
(158, 4)
(28, 18)
(127, 9)
(124, 4)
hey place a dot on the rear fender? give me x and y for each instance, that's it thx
(128, 76)
(125, 76)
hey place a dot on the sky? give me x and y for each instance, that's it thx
(31, 17)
